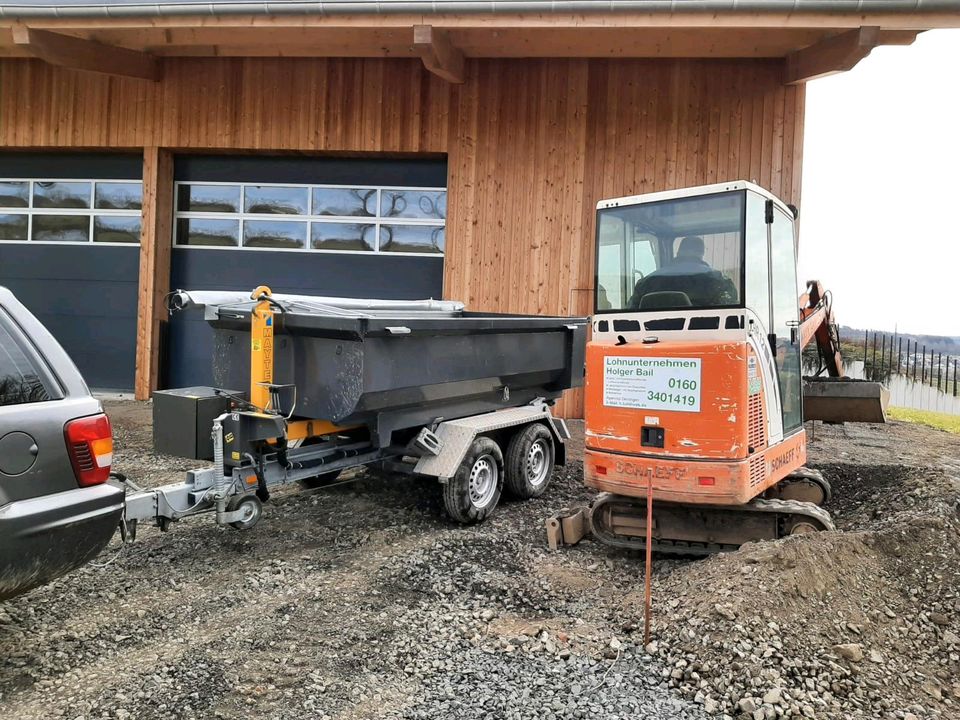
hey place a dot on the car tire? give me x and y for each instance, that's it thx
(472, 494)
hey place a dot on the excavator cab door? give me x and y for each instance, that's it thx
(785, 314)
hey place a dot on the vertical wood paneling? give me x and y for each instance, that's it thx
(532, 145)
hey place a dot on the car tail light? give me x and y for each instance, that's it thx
(90, 444)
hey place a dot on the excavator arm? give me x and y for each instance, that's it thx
(816, 321)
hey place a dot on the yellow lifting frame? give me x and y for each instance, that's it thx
(261, 368)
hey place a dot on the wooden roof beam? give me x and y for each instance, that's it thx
(79, 54)
(439, 55)
(833, 54)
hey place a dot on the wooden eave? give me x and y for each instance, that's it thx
(606, 35)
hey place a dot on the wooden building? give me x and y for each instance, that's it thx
(375, 149)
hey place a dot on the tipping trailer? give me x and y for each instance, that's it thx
(328, 384)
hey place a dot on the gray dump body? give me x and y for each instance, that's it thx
(393, 369)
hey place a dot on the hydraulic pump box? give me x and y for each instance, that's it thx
(183, 419)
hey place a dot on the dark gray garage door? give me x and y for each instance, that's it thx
(69, 250)
(350, 227)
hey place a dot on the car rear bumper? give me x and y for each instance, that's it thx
(45, 537)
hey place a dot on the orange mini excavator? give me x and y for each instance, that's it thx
(693, 379)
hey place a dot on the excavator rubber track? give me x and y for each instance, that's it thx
(620, 521)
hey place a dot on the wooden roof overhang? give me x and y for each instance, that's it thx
(812, 44)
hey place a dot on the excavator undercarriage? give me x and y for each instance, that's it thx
(789, 508)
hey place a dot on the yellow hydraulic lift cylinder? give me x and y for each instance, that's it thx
(261, 348)
(261, 368)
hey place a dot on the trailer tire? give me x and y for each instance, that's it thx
(471, 495)
(530, 459)
(321, 480)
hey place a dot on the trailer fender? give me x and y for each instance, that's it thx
(457, 435)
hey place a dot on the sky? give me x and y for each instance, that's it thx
(880, 205)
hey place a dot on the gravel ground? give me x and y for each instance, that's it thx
(363, 601)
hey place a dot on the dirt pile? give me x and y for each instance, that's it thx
(858, 623)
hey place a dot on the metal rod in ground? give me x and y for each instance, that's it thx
(915, 361)
(900, 353)
(939, 360)
(883, 352)
(923, 366)
(955, 362)
(890, 362)
(647, 601)
(873, 360)
(866, 337)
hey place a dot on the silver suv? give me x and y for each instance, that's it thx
(57, 510)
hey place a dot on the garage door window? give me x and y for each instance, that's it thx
(311, 218)
(70, 211)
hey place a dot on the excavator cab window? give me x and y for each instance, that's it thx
(684, 253)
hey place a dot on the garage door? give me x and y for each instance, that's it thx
(69, 250)
(349, 227)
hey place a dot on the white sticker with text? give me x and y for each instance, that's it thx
(652, 383)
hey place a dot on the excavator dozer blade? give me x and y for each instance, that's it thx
(844, 400)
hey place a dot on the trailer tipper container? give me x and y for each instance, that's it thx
(332, 383)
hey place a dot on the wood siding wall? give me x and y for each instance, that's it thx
(532, 145)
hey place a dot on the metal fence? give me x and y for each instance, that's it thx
(918, 377)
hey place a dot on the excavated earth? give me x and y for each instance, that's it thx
(363, 601)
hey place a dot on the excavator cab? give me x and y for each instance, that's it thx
(694, 382)
(718, 260)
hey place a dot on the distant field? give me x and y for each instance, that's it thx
(942, 421)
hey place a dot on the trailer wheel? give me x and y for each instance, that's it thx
(472, 494)
(321, 480)
(530, 458)
(251, 507)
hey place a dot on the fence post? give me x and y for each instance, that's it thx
(883, 351)
(939, 361)
(866, 336)
(955, 377)
(900, 352)
(873, 360)
(915, 343)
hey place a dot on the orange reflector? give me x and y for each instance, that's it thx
(707, 480)
(251, 480)
(601, 470)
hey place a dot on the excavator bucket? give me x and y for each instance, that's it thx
(841, 399)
